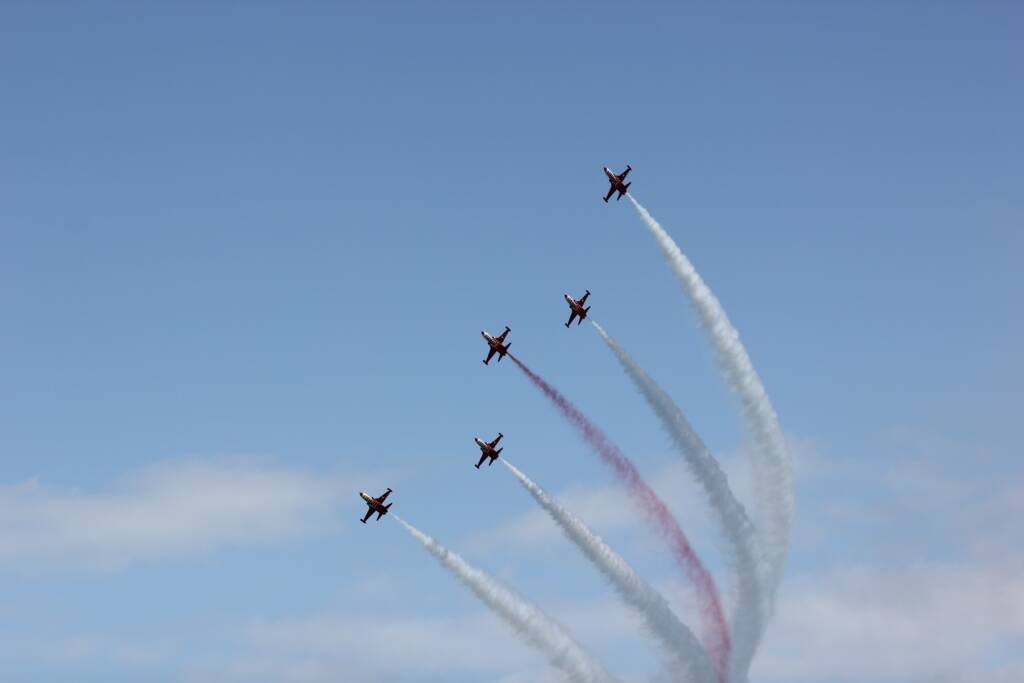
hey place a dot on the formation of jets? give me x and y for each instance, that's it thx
(496, 345)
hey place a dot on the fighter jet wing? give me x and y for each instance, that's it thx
(490, 355)
(625, 173)
(611, 191)
(572, 316)
(501, 337)
(367, 515)
(383, 496)
(583, 299)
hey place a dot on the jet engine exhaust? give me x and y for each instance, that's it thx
(742, 548)
(771, 466)
(661, 621)
(531, 623)
(714, 631)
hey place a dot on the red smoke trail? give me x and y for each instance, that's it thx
(715, 633)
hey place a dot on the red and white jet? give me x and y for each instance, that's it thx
(497, 344)
(617, 184)
(375, 505)
(487, 449)
(576, 308)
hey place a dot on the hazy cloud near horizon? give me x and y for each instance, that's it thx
(172, 508)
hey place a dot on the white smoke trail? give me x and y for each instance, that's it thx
(528, 620)
(684, 648)
(771, 465)
(748, 618)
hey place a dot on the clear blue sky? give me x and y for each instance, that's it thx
(247, 249)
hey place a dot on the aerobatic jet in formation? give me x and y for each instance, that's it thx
(617, 184)
(488, 450)
(497, 344)
(375, 505)
(576, 309)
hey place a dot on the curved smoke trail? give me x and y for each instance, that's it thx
(715, 632)
(528, 620)
(659, 617)
(748, 618)
(771, 464)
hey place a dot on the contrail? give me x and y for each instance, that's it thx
(748, 617)
(771, 464)
(715, 632)
(661, 621)
(528, 620)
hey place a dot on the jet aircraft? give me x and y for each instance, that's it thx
(375, 505)
(487, 449)
(576, 308)
(496, 344)
(617, 184)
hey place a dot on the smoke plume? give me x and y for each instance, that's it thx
(747, 619)
(691, 661)
(714, 631)
(534, 626)
(771, 464)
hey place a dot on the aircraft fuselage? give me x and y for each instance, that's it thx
(496, 345)
(488, 449)
(375, 505)
(618, 182)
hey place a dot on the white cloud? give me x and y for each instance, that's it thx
(937, 594)
(918, 623)
(370, 648)
(171, 508)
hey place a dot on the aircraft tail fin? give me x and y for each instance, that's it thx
(498, 452)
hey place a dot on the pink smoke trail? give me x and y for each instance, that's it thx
(715, 633)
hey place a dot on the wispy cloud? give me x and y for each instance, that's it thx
(374, 648)
(171, 508)
(925, 622)
(368, 647)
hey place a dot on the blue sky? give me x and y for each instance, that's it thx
(246, 251)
